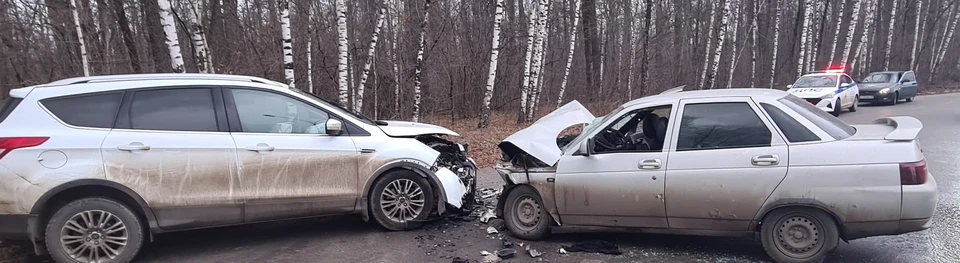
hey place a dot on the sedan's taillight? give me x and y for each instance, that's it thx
(7, 145)
(913, 173)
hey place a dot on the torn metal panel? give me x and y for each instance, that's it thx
(539, 140)
(452, 186)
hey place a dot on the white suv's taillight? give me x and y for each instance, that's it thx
(913, 173)
(7, 145)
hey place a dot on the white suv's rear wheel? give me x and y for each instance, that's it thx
(94, 230)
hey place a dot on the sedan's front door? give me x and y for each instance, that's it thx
(290, 167)
(622, 188)
(725, 161)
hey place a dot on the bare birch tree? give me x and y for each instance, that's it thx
(418, 70)
(342, 43)
(492, 75)
(893, 22)
(371, 52)
(170, 30)
(718, 53)
(836, 34)
(916, 37)
(706, 53)
(537, 63)
(527, 62)
(84, 59)
(945, 44)
(865, 37)
(776, 45)
(310, 33)
(805, 36)
(754, 47)
(199, 38)
(853, 29)
(394, 56)
(570, 50)
(734, 52)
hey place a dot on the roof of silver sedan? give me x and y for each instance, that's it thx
(739, 92)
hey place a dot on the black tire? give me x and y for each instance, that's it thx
(409, 218)
(856, 101)
(787, 232)
(524, 215)
(910, 99)
(837, 108)
(896, 98)
(101, 236)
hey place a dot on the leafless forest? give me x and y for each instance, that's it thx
(464, 59)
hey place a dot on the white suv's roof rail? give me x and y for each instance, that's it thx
(161, 76)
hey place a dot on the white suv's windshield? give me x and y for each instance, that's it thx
(828, 123)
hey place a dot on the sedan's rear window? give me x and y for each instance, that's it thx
(93, 110)
(832, 125)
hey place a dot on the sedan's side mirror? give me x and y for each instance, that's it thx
(844, 85)
(334, 127)
(586, 147)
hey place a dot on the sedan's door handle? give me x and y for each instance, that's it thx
(261, 147)
(765, 160)
(134, 146)
(649, 164)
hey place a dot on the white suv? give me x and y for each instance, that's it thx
(90, 166)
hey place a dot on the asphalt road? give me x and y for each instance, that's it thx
(348, 239)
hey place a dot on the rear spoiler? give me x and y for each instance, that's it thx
(906, 128)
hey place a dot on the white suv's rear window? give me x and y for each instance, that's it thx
(89, 110)
(828, 123)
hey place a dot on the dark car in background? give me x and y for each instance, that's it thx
(888, 87)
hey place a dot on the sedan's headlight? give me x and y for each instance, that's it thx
(884, 90)
(828, 96)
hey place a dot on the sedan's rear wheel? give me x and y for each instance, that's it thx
(94, 230)
(799, 235)
(401, 200)
(524, 214)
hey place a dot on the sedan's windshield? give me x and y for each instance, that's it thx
(832, 125)
(881, 78)
(590, 128)
(355, 115)
(816, 81)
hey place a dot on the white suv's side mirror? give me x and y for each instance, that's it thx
(334, 127)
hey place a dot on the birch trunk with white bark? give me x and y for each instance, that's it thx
(945, 44)
(836, 34)
(916, 37)
(395, 20)
(418, 70)
(852, 30)
(492, 72)
(537, 64)
(753, 42)
(573, 45)
(284, 6)
(310, 49)
(865, 37)
(893, 22)
(706, 53)
(84, 58)
(718, 53)
(734, 52)
(358, 101)
(199, 39)
(170, 30)
(527, 59)
(776, 45)
(342, 73)
(804, 36)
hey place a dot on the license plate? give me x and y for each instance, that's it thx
(866, 97)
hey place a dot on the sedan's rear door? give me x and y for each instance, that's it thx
(724, 161)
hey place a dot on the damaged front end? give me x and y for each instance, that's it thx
(456, 172)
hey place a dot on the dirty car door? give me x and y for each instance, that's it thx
(618, 188)
(289, 165)
(171, 147)
(723, 165)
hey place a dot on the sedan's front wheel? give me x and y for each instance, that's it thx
(837, 108)
(798, 235)
(524, 214)
(94, 230)
(401, 200)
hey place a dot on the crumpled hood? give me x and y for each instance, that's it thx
(410, 129)
(875, 86)
(540, 139)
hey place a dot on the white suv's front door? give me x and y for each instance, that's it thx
(725, 161)
(619, 188)
(185, 168)
(289, 165)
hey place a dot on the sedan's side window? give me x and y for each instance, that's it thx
(909, 77)
(791, 128)
(720, 126)
(167, 110)
(846, 79)
(267, 112)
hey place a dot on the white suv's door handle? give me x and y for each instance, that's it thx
(765, 160)
(134, 146)
(261, 147)
(649, 164)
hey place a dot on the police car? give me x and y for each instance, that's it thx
(831, 90)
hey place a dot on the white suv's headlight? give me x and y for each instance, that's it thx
(885, 91)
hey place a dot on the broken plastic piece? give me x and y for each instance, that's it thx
(562, 251)
(506, 243)
(487, 215)
(490, 259)
(534, 253)
(506, 253)
(492, 230)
